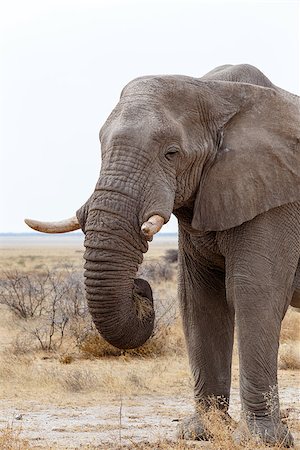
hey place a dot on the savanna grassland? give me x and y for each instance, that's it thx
(62, 386)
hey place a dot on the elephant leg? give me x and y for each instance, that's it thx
(208, 325)
(261, 260)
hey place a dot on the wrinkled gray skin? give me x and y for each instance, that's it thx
(222, 153)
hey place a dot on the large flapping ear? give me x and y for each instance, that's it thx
(258, 164)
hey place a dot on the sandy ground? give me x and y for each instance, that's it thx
(123, 420)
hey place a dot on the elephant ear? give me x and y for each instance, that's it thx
(257, 166)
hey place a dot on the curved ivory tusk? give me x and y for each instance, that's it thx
(62, 226)
(152, 226)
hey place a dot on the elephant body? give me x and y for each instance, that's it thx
(222, 153)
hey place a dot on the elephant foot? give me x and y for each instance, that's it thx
(268, 431)
(193, 427)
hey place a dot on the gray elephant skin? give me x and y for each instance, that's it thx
(222, 153)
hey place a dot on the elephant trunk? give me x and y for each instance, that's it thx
(121, 305)
(121, 215)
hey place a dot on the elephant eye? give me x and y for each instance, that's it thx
(171, 153)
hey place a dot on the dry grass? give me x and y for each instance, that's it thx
(290, 329)
(162, 444)
(37, 258)
(125, 375)
(10, 439)
(222, 436)
(158, 445)
(289, 351)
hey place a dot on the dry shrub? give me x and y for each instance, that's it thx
(290, 329)
(22, 344)
(157, 271)
(45, 304)
(171, 255)
(167, 339)
(10, 440)
(66, 359)
(156, 346)
(93, 345)
(34, 294)
(289, 356)
(77, 380)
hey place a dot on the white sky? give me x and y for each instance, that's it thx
(64, 63)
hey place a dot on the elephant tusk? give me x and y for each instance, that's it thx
(152, 226)
(62, 226)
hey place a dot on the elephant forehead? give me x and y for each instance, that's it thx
(150, 85)
(140, 107)
(140, 118)
(148, 113)
(166, 88)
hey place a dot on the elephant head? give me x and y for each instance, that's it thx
(224, 151)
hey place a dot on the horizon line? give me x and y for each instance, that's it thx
(71, 233)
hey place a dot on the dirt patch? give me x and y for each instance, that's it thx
(118, 421)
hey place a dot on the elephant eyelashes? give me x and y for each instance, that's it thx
(171, 153)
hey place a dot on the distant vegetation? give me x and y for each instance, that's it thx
(52, 311)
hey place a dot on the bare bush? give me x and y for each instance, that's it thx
(166, 311)
(171, 256)
(25, 293)
(29, 294)
(156, 271)
(54, 307)
(81, 327)
(48, 301)
(22, 344)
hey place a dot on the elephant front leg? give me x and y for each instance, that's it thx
(208, 326)
(260, 267)
(258, 330)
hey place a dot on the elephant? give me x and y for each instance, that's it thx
(222, 153)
